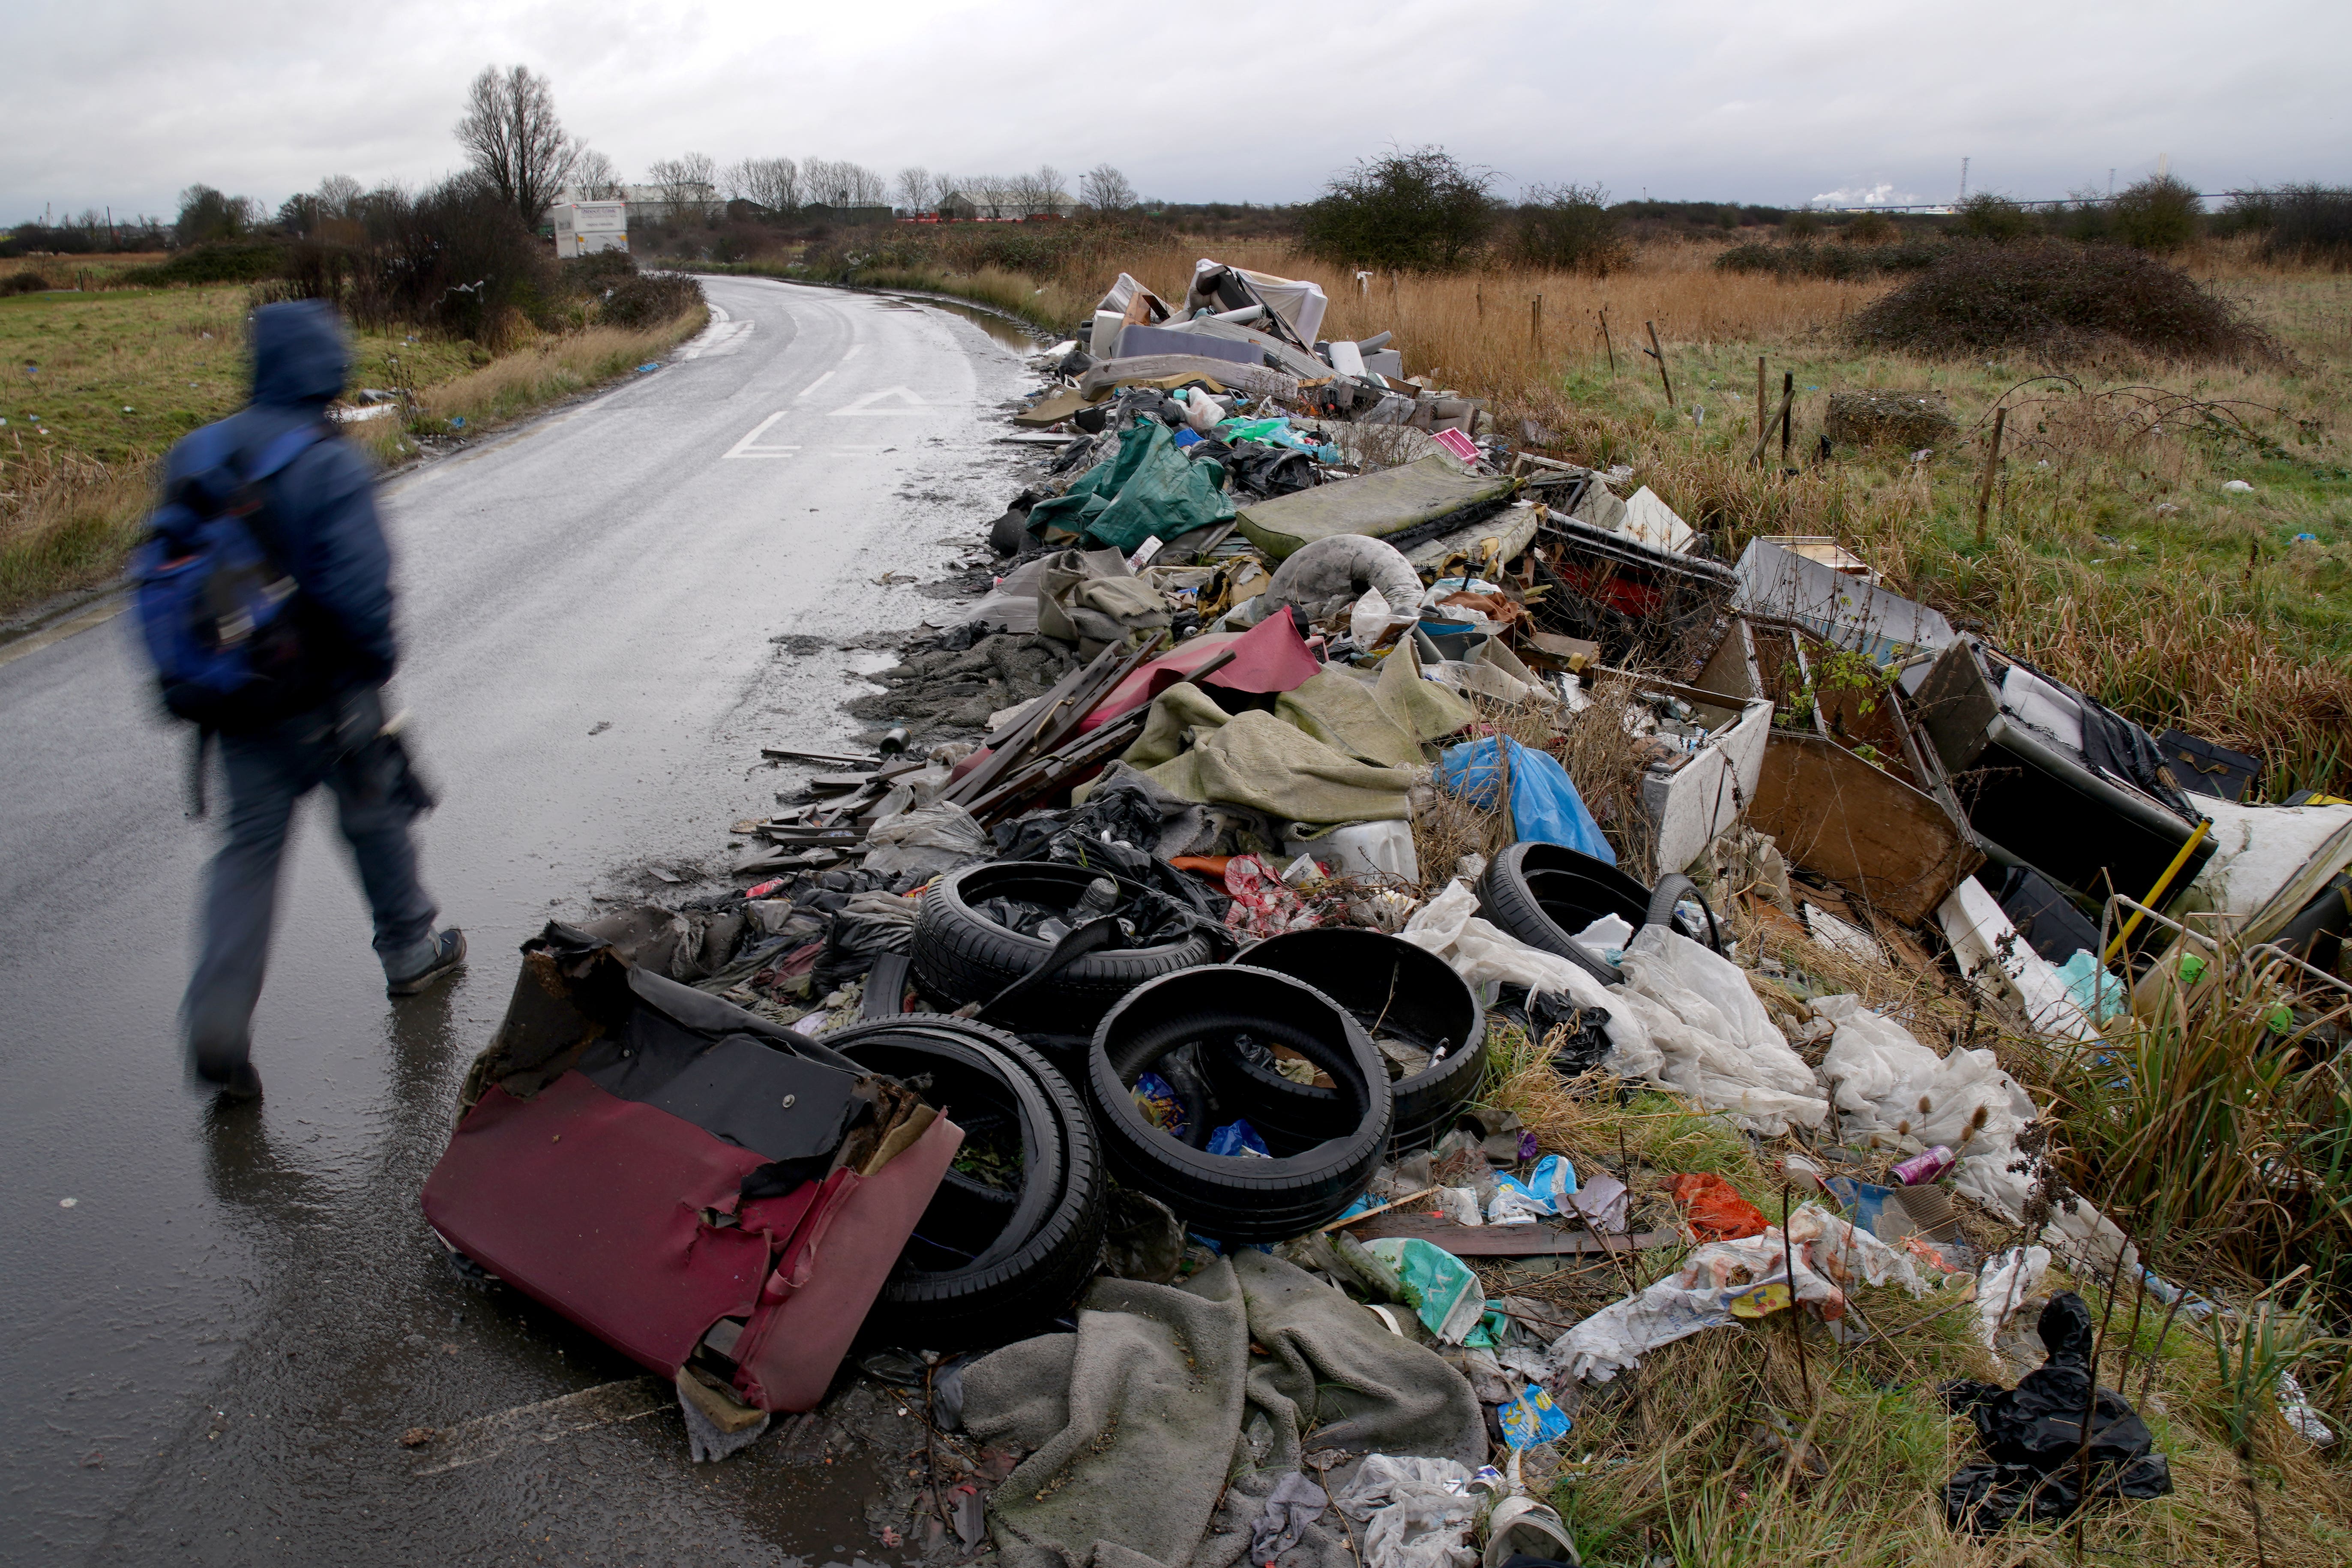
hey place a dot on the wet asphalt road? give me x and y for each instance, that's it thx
(216, 1324)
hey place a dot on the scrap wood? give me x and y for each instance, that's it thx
(1016, 738)
(1536, 1240)
(1090, 750)
(795, 754)
(1393, 1203)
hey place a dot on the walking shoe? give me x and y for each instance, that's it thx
(235, 1080)
(449, 953)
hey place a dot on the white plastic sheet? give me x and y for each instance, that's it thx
(1822, 1256)
(1416, 1513)
(1895, 1094)
(1714, 1040)
(2003, 1283)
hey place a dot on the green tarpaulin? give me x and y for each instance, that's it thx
(1149, 490)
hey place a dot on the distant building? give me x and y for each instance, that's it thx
(650, 206)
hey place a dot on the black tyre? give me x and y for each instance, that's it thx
(1239, 1199)
(1544, 893)
(960, 957)
(1391, 988)
(987, 1264)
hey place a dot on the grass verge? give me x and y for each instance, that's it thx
(101, 384)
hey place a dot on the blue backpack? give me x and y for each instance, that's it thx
(218, 611)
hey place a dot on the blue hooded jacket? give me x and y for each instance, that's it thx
(324, 500)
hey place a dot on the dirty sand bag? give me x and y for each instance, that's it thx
(1090, 598)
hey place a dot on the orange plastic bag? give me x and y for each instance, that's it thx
(1715, 1209)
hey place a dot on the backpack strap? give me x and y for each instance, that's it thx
(275, 455)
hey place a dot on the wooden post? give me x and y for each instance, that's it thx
(1992, 466)
(1761, 415)
(1765, 435)
(1606, 342)
(1534, 323)
(1660, 355)
(1788, 407)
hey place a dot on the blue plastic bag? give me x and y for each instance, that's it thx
(1239, 1138)
(1545, 1192)
(1545, 806)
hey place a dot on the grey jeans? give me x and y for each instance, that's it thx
(268, 770)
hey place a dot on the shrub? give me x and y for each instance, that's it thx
(1422, 211)
(1803, 223)
(1843, 262)
(1568, 228)
(647, 299)
(2306, 225)
(2059, 302)
(231, 261)
(1996, 218)
(24, 283)
(1871, 229)
(2159, 213)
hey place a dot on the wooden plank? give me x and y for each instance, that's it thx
(1541, 1239)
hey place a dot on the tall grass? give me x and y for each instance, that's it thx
(2218, 1129)
(552, 369)
(67, 521)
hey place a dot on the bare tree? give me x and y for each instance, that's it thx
(1105, 189)
(339, 196)
(595, 178)
(1046, 195)
(771, 183)
(514, 140)
(688, 180)
(914, 188)
(841, 184)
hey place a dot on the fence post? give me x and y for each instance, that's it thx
(1534, 323)
(1788, 405)
(1660, 355)
(1992, 466)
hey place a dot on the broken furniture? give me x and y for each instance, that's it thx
(687, 1181)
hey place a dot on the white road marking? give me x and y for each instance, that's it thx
(749, 446)
(724, 335)
(99, 613)
(850, 353)
(488, 1436)
(813, 385)
(865, 408)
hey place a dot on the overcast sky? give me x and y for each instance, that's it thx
(123, 102)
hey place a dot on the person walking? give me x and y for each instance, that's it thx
(265, 598)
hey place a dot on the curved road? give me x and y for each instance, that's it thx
(214, 1325)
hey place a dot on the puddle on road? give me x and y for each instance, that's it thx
(1012, 336)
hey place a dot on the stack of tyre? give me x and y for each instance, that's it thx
(1047, 1091)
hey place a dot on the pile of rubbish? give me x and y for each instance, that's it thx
(1129, 1054)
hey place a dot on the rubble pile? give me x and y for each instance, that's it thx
(1135, 896)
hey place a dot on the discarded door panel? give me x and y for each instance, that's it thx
(2019, 748)
(1845, 611)
(1835, 815)
(655, 1164)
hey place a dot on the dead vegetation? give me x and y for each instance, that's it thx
(2060, 303)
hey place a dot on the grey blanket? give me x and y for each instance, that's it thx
(1153, 1427)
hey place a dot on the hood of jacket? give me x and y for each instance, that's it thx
(300, 353)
